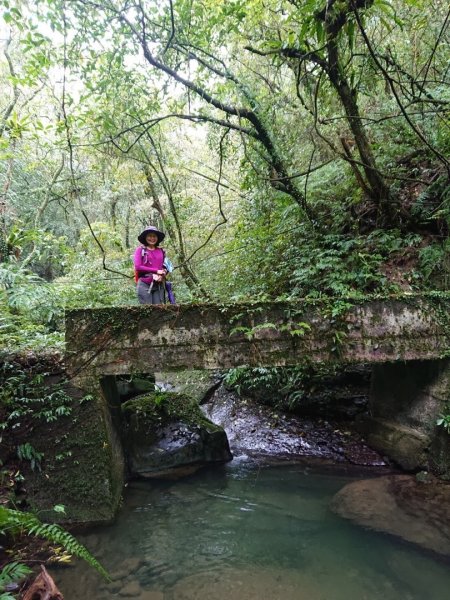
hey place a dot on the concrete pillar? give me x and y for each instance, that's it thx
(405, 402)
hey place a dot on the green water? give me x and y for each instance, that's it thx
(245, 532)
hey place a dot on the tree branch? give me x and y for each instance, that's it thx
(386, 75)
(16, 91)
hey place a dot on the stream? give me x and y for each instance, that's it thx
(248, 531)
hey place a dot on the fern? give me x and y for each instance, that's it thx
(27, 452)
(16, 521)
(10, 574)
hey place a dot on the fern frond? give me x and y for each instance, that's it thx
(12, 573)
(15, 521)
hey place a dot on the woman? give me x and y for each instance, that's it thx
(149, 266)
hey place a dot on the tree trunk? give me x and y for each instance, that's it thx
(379, 191)
(188, 274)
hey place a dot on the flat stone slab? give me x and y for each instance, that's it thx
(146, 339)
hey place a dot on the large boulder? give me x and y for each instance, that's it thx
(414, 508)
(198, 384)
(167, 435)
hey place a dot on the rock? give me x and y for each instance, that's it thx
(194, 383)
(440, 454)
(132, 590)
(151, 595)
(131, 565)
(260, 431)
(407, 446)
(119, 574)
(129, 387)
(418, 512)
(111, 588)
(167, 435)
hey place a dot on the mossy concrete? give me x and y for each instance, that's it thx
(82, 466)
(406, 400)
(147, 339)
(404, 338)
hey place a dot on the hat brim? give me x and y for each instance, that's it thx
(159, 234)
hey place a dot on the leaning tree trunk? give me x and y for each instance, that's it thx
(379, 191)
(378, 188)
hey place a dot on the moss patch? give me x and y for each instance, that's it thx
(161, 408)
(80, 458)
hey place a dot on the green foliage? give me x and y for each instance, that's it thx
(25, 395)
(271, 245)
(110, 241)
(11, 573)
(433, 269)
(282, 387)
(30, 309)
(346, 265)
(27, 452)
(444, 420)
(14, 522)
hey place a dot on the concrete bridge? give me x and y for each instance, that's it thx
(144, 339)
(406, 339)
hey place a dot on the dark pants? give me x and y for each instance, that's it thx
(155, 295)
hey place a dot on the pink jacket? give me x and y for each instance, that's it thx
(148, 261)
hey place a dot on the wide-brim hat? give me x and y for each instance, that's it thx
(151, 229)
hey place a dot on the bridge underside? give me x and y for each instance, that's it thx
(144, 339)
(407, 394)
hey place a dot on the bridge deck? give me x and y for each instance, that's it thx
(144, 339)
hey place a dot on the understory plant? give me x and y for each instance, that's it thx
(10, 575)
(281, 387)
(444, 419)
(14, 523)
(24, 395)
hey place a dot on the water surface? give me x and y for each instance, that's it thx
(248, 532)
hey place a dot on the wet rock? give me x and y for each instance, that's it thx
(151, 595)
(262, 431)
(401, 505)
(130, 565)
(168, 436)
(131, 590)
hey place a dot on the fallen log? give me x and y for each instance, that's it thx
(43, 588)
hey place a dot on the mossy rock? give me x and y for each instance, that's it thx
(167, 435)
(198, 384)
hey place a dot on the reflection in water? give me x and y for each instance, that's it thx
(247, 533)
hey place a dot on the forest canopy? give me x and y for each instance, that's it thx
(289, 149)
